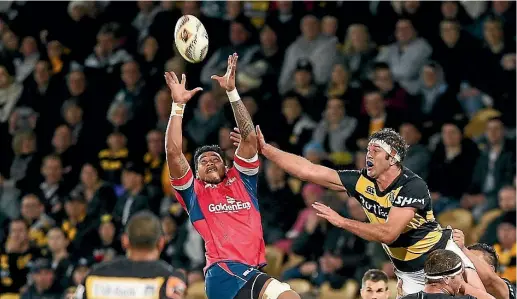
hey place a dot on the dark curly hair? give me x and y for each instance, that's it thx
(489, 253)
(208, 148)
(394, 140)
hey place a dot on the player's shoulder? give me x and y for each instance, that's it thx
(115, 263)
(411, 181)
(119, 266)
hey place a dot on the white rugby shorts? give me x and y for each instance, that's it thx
(413, 282)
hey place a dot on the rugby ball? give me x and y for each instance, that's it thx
(191, 39)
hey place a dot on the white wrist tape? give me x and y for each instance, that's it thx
(177, 109)
(233, 95)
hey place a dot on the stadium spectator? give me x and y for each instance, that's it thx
(494, 168)
(358, 52)
(297, 125)
(339, 256)
(335, 131)
(59, 256)
(507, 203)
(134, 198)
(340, 86)
(451, 161)
(418, 156)
(506, 247)
(376, 118)
(99, 194)
(44, 279)
(406, 64)
(320, 50)
(396, 98)
(206, 121)
(33, 212)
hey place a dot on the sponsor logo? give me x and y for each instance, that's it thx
(374, 208)
(405, 201)
(230, 181)
(124, 290)
(231, 206)
(370, 190)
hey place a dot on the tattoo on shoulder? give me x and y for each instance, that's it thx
(183, 164)
(243, 119)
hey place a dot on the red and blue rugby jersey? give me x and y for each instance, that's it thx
(226, 215)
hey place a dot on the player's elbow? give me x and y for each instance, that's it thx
(388, 236)
(172, 149)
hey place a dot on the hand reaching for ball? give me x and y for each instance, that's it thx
(228, 80)
(179, 92)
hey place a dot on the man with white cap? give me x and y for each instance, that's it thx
(396, 201)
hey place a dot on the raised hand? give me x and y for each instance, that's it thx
(179, 92)
(327, 213)
(459, 238)
(235, 137)
(228, 80)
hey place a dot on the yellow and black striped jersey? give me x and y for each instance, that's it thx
(422, 234)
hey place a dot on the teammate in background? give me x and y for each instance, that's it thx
(222, 202)
(141, 273)
(444, 278)
(375, 285)
(486, 261)
(396, 201)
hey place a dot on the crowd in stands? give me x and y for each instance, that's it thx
(84, 107)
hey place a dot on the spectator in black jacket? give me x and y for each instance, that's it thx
(494, 168)
(44, 282)
(342, 253)
(450, 168)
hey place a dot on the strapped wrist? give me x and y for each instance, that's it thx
(178, 109)
(233, 95)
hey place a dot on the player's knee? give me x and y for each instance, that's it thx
(289, 295)
(278, 290)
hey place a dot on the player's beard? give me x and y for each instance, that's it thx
(213, 178)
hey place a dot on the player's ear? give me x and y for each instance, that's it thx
(161, 243)
(125, 242)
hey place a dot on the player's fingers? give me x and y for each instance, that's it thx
(259, 132)
(237, 130)
(322, 215)
(183, 79)
(167, 80)
(216, 78)
(235, 136)
(195, 90)
(175, 78)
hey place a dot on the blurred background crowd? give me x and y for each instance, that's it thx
(83, 109)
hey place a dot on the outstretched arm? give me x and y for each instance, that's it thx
(178, 164)
(385, 233)
(493, 284)
(295, 165)
(247, 148)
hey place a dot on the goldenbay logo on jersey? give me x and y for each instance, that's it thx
(232, 206)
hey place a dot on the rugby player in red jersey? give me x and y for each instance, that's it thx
(222, 201)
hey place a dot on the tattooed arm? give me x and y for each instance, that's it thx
(248, 147)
